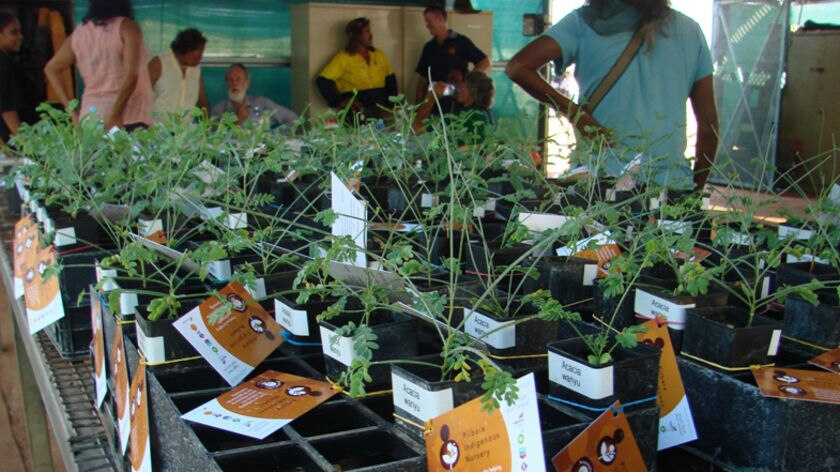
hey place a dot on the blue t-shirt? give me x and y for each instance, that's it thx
(646, 108)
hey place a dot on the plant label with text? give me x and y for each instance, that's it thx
(234, 333)
(423, 404)
(592, 382)
(263, 404)
(468, 438)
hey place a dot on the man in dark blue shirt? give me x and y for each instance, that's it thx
(446, 50)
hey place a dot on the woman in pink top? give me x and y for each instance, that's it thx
(108, 50)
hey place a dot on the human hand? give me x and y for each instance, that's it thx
(241, 110)
(591, 129)
(113, 121)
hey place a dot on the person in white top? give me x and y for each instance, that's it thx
(176, 75)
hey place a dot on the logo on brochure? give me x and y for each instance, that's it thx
(583, 465)
(237, 302)
(258, 326)
(450, 452)
(301, 390)
(608, 447)
(269, 384)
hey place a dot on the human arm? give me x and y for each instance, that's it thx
(426, 107)
(422, 89)
(391, 85)
(132, 38)
(523, 69)
(12, 120)
(155, 70)
(483, 65)
(202, 96)
(61, 61)
(705, 111)
(328, 90)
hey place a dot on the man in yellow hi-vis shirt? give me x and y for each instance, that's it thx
(358, 70)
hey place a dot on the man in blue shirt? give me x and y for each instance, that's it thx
(644, 112)
(250, 107)
(447, 50)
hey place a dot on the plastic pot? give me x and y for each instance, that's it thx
(724, 336)
(818, 325)
(632, 375)
(395, 336)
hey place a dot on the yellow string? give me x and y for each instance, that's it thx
(427, 429)
(524, 356)
(124, 322)
(340, 389)
(171, 361)
(805, 343)
(727, 369)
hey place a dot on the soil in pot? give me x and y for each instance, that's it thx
(159, 340)
(801, 273)
(419, 395)
(633, 375)
(511, 333)
(652, 302)
(395, 336)
(724, 336)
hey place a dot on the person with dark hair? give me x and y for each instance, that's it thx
(359, 72)
(446, 50)
(643, 115)
(19, 93)
(473, 99)
(108, 51)
(176, 75)
(250, 107)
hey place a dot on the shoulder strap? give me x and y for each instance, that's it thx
(617, 69)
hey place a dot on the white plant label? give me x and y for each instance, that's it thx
(128, 302)
(65, 236)
(649, 306)
(590, 272)
(773, 348)
(678, 227)
(798, 233)
(351, 218)
(220, 270)
(421, 403)
(539, 222)
(152, 347)
(339, 348)
(601, 239)
(149, 227)
(294, 321)
(108, 275)
(258, 290)
(427, 200)
(791, 259)
(594, 383)
(502, 335)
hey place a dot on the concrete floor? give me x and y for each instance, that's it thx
(14, 444)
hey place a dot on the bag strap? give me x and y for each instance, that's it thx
(617, 69)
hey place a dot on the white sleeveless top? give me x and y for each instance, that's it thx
(175, 92)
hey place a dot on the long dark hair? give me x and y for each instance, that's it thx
(353, 30)
(100, 11)
(6, 19)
